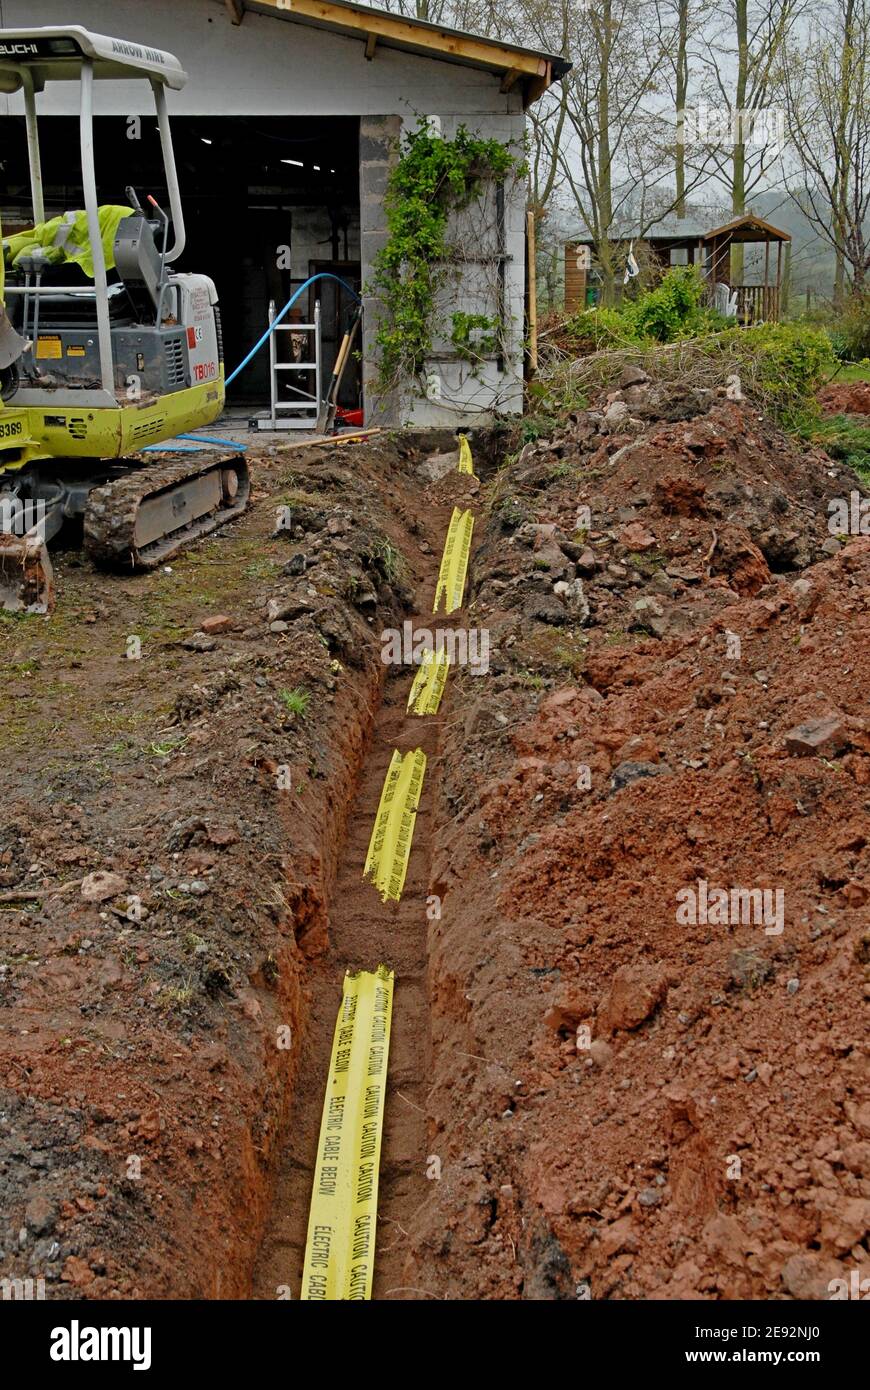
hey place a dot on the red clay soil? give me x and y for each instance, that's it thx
(146, 1062)
(846, 398)
(626, 1106)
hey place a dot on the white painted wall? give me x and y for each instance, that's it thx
(266, 66)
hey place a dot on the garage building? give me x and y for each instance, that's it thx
(284, 137)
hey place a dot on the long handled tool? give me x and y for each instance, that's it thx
(326, 418)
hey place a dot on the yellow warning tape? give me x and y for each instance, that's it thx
(390, 844)
(429, 682)
(454, 561)
(342, 1222)
(465, 461)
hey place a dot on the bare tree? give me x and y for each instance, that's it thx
(681, 24)
(741, 66)
(435, 11)
(473, 16)
(619, 158)
(826, 80)
(681, 93)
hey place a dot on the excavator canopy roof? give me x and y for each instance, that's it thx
(53, 53)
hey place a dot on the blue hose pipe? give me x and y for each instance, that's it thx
(322, 275)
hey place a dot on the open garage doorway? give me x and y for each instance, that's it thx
(267, 202)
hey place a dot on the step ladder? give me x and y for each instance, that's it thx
(293, 408)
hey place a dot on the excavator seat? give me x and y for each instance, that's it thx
(65, 310)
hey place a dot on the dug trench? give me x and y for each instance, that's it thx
(364, 932)
(181, 852)
(589, 1096)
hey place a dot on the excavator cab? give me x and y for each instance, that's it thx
(105, 348)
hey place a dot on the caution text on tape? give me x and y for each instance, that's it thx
(429, 682)
(466, 464)
(342, 1222)
(454, 562)
(390, 843)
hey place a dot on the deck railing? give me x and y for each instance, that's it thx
(757, 303)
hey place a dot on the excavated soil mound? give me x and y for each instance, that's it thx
(637, 1094)
(850, 398)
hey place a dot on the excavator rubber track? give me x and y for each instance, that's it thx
(148, 514)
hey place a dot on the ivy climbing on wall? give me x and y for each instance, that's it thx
(433, 178)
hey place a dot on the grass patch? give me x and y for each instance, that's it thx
(295, 701)
(120, 721)
(386, 559)
(164, 748)
(647, 561)
(175, 997)
(263, 568)
(848, 442)
(564, 470)
(551, 652)
(296, 496)
(852, 371)
(163, 635)
(511, 514)
(11, 619)
(530, 679)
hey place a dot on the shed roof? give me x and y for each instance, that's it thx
(747, 228)
(669, 228)
(673, 229)
(532, 70)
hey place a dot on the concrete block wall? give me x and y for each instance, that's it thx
(470, 393)
(475, 393)
(378, 152)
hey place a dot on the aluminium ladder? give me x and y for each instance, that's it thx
(300, 409)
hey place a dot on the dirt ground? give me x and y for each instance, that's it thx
(589, 1097)
(846, 398)
(147, 1063)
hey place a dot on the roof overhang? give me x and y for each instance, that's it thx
(57, 52)
(667, 238)
(533, 73)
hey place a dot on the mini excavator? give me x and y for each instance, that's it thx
(105, 349)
